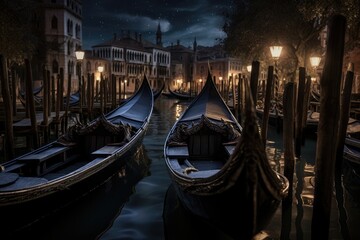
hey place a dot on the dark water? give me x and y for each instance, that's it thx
(131, 204)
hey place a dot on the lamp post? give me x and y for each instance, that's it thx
(101, 88)
(200, 81)
(315, 62)
(125, 81)
(222, 85)
(275, 54)
(178, 84)
(79, 57)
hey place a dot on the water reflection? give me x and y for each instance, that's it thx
(136, 205)
(91, 215)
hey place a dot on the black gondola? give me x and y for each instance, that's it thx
(220, 171)
(75, 162)
(180, 95)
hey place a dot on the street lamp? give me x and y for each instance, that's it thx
(79, 54)
(248, 68)
(101, 88)
(100, 69)
(276, 52)
(315, 61)
(222, 84)
(200, 81)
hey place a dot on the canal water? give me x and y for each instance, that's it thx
(138, 202)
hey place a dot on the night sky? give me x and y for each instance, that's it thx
(179, 20)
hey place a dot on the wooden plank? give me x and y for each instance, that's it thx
(106, 150)
(177, 151)
(44, 155)
(203, 174)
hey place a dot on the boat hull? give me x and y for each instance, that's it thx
(48, 178)
(220, 169)
(235, 201)
(29, 206)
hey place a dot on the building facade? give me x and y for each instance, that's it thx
(182, 60)
(63, 33)
(128, 57)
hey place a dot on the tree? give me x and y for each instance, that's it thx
(254, 25)
(21, 37)
(17, 38)
(322, 11)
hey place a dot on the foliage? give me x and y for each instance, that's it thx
(19, 29)
(255, 25)
(323, 10)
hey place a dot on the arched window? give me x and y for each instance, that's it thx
(54, 22)
(68, 26)
(55, 66)
(88, 66)
(69, 47)
(69, 67)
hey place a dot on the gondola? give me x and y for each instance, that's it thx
(352, 146)
(37, 98)
(74, 99)
(220, 171)
(180, 95)
(76, 162)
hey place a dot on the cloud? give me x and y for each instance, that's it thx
(179, 20)
(143, 23)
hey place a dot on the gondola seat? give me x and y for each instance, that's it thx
(205, 145)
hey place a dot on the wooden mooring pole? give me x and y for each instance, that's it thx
(299, 112)
(344, 120)
(254, 80)
(5, 91)
(265, 118)
(30, 99)
(289, 157)
(330, 83)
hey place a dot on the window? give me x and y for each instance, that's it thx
(88, 66)
(54, 22)
(55, 66)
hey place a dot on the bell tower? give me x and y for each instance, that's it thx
(158, 36)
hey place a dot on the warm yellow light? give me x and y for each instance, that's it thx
(220, 78)
(315, 61)
(276, 51)
(100, 69)
(200, 80)
(248, 68)
(79, 54)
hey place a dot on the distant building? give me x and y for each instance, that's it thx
(189, 67)
(128, 57)
(63, 33)
(182, 60)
